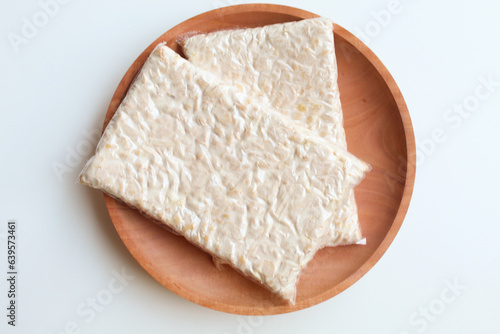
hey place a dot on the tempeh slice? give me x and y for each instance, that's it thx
(237, 179)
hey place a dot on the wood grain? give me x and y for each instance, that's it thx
(379, 131)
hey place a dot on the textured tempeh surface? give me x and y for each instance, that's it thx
(292, 66)
(234, 177)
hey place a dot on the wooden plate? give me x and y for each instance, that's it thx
(379, 131)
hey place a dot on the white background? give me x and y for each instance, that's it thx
(59, 83)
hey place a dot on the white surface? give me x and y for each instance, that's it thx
(59, 85)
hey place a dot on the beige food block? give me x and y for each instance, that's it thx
(292, 66)
(234, 177)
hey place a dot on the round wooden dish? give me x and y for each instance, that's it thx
(379, 131)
